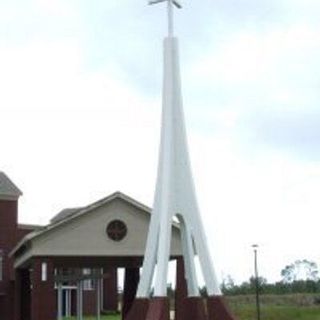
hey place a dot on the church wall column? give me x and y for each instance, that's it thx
(181, 289)
(89, 302)
(110, 289)
(25, 295)
(43, 295)
(17, 295)
(131, 280)
(22, 294)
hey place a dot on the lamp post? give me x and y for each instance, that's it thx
(255, 250)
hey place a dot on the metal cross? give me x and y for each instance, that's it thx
(170, 12)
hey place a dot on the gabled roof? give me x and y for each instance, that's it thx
(77, 213)
(70, 213)
(64, 214)
(8, 190)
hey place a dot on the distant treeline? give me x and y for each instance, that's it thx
(249, 287)
(301, 276)
(291, 282)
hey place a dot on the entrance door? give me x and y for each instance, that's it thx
(67, 301)
(25, 295)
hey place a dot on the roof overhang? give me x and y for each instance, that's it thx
(24, 250)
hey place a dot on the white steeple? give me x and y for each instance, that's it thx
(175, 193)
(170, 5)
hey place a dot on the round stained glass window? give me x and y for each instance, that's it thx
(116, 230)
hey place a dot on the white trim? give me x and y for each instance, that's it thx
(87, 284)
(44, 271)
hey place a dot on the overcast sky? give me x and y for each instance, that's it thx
(80, 98)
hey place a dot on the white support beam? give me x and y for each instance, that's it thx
(175, 193)
(79, 300)
(59, 301)
(98, 298)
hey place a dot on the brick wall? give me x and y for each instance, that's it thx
(43, 294)
(89, 302)
(8, 227)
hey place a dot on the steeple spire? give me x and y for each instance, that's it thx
(175, 197)
(175, 192)
(170, 6)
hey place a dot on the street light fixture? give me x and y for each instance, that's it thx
(255, 250)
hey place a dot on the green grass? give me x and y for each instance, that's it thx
(248, 312)
(276, 307)
(109, 317)
(273, 307)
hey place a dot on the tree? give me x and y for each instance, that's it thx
(288, 273)
(227, 284)
(261, 281)
(300, 270)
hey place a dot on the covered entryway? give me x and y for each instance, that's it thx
(71, 265)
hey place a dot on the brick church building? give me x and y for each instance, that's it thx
(70, 266)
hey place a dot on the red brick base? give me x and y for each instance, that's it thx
(194, 309)
(218, 309)
(159, 309)
(138, 310)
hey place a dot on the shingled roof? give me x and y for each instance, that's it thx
(8, 190)
(63, 214)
